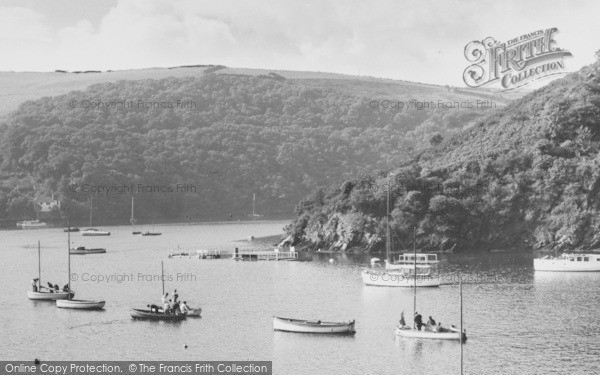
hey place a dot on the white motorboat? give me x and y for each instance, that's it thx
(401, 277)
(94, 232)
(31, 224)
(568, 262)
(80, 304)
(82, 250)
(437, 333)
(410, 267)
(312, 326)
(409, 259)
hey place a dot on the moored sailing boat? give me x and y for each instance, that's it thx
(155, 314)
(50, 294)
(434, 332)
(78, 304)
(132, 220)
(93, 231)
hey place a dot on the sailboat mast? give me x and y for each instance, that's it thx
(69, 252)
(39, 266)
(91, 209)
(415, 266)
(461, 324)
(253, 203)
(387, 224)
(131, 220)
(162, 276)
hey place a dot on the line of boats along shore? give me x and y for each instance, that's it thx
(410, 270)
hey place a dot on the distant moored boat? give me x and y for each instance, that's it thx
(31, 224)
(82, 250)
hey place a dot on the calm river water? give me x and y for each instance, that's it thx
(518, 322)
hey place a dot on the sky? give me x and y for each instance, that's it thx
(419, 41)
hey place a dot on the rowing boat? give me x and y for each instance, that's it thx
(312, 326)
(79, 304)
(194, 312)
(150, 315)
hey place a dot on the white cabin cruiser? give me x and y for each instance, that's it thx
(569, 262)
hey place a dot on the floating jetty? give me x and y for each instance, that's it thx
(236, 254)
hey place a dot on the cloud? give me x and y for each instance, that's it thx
(411, 40)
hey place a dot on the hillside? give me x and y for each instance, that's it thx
(524, 176)
(244, 135)
(16, 88)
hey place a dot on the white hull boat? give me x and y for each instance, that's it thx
(397, 278)
(83, 250)
(94, 232)
(194, 312)
(568, 263)
(312, 326)
(444, 334)
(31, 224)
(80, 304)
(47, 296)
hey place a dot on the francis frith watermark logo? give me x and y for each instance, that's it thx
(516, 62)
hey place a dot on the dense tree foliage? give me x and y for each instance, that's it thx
(525, 176)
(230, 136)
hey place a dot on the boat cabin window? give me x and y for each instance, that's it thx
(586, 259)
(571, 259)
(579, 259)
(431, 257)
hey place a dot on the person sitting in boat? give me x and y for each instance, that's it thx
(164, 298)
(431, 322)
(34, 284)
(153, 308)
(50, 287)
(439, 328)
(167, 307)
(402, 321)
(418, 320)
(176, 308)
(56, 288)
(66, 288)
(184, 308)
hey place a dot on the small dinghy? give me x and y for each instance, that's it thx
(312, 326)
(151, 315)
(194, 312)
(80, 304)
(151, 234)
(82, 250)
